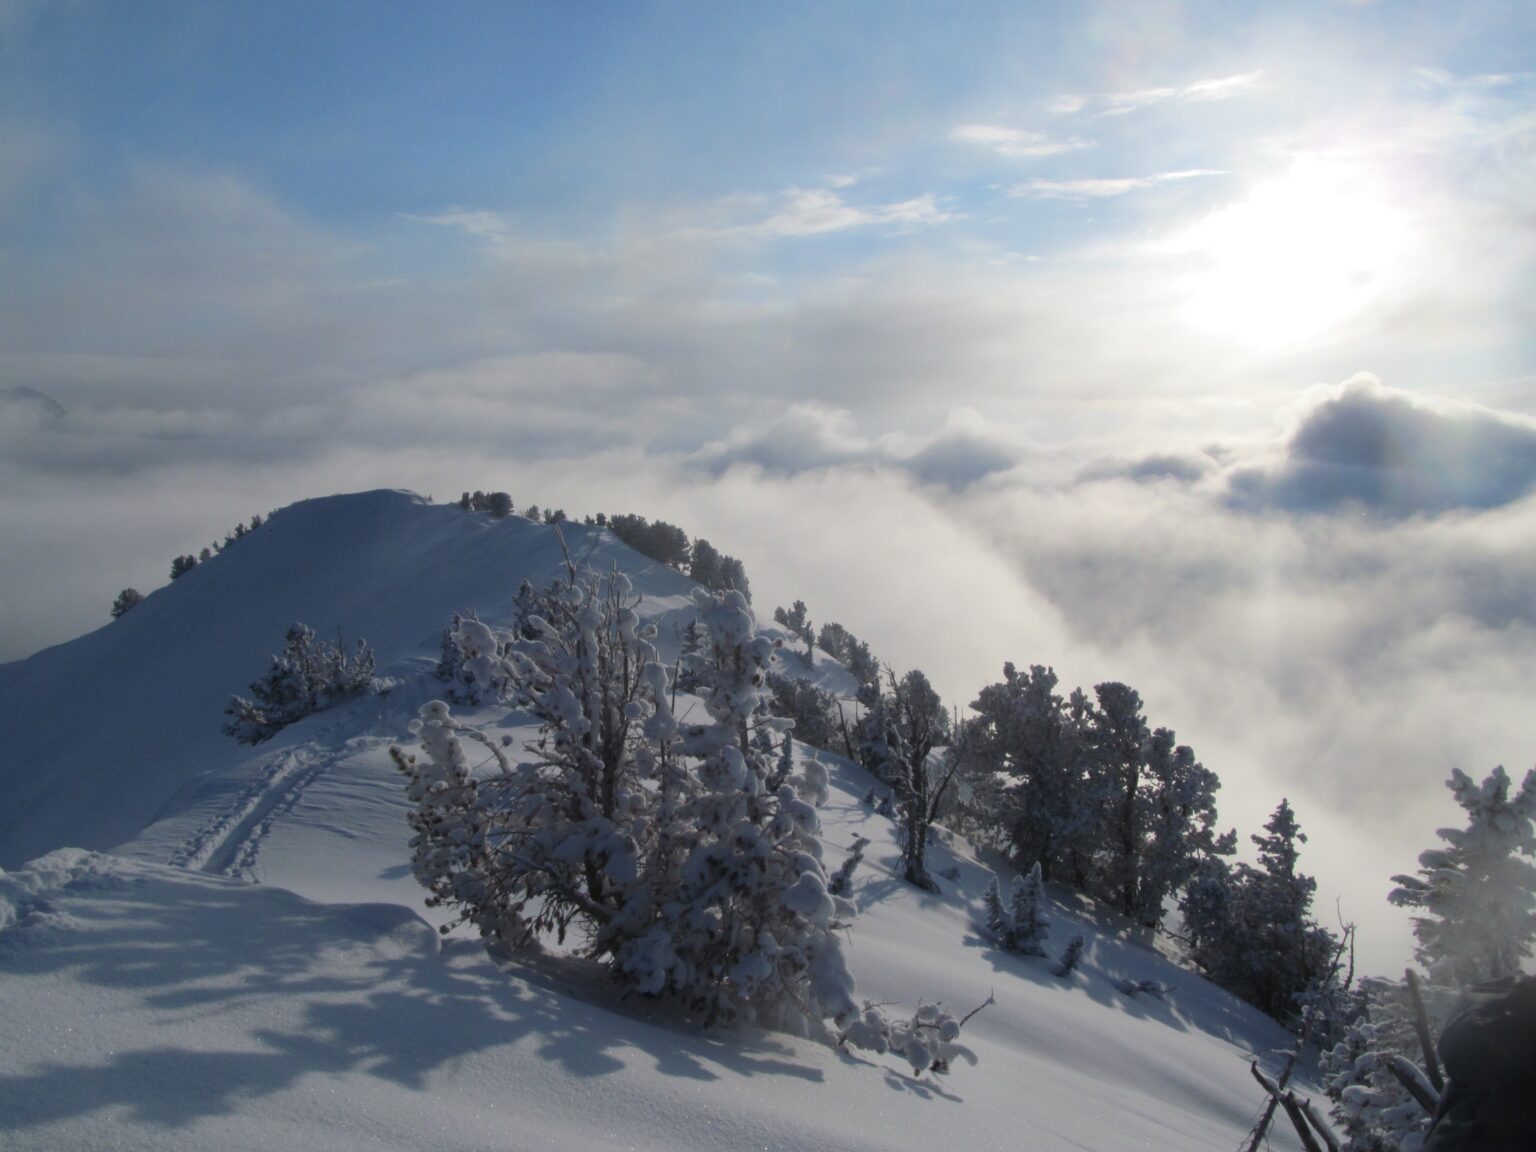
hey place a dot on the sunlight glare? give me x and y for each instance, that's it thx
(1298, 256)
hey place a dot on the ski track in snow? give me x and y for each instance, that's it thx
(229, 843)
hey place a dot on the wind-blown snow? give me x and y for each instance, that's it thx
(152, 996)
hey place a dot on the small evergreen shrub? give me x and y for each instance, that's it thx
(308, 676)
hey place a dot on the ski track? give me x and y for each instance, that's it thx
(229, 843)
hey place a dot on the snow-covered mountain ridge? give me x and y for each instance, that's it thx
(154, 997)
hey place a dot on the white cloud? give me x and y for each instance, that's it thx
(1104, 186)
(1197, 92)
(806, 212)
(1440, 78)
(1016, 143)
(813, 437)
(491, 226)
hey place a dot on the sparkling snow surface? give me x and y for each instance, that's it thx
(224, 949)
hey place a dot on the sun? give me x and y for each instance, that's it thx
(1300, 255)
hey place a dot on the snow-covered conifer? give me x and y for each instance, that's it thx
(813, 710)
(1119, 738)
(898, 733)
(1478, 893)
(475, 661)
(1030, 927)
(999, 922)
(733, 576)
(841, 883)
(1178, 819)
(752, 934)
(1260, 942)
(690, 656)
(785, 765)
(308, 676)
(661, 844)
(1070, 956)
(1373, 1110)
(1024, 733)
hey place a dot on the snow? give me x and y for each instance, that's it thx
(210, 946)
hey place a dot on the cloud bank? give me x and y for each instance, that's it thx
(1367, 448)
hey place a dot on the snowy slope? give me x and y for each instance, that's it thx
(129, 715)
(156, 997)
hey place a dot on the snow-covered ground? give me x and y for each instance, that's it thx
(224, 948)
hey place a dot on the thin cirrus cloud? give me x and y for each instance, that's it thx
(798, 213)
(1206, 91)
(1017, 143)
(1104, 187)
(795, 213)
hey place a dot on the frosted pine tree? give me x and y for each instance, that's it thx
(1119, 739)
(841, 883)
(1178, 801)
(999, 923)
(567, 831)
(1374, 1112)
(1249, 928)
(1478, 893)
(1027, 915)
(1023, 733)
(752, 931)
(449, 851)
(474, 661)
(308, 676)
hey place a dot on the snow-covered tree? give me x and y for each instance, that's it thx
(690, 656)
(841, 883)
(1257, 938)
(797, 620)
(1021, 925)
(308, 676)
(899, 733)
(733, 575)
(1478, 893)
(1030, 925)
(754, 918)
(1070, 957)
(999, 922)
(474, 662)
(1028, 766)
(1178, 824)
(813, 710)
(661, 844)
(1118, 736)
(1374, 1112)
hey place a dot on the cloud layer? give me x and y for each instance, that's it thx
(1366, 448)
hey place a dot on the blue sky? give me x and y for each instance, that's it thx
(1191, 342)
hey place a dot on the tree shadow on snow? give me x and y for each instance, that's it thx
(244, 991)
(926, 1086)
